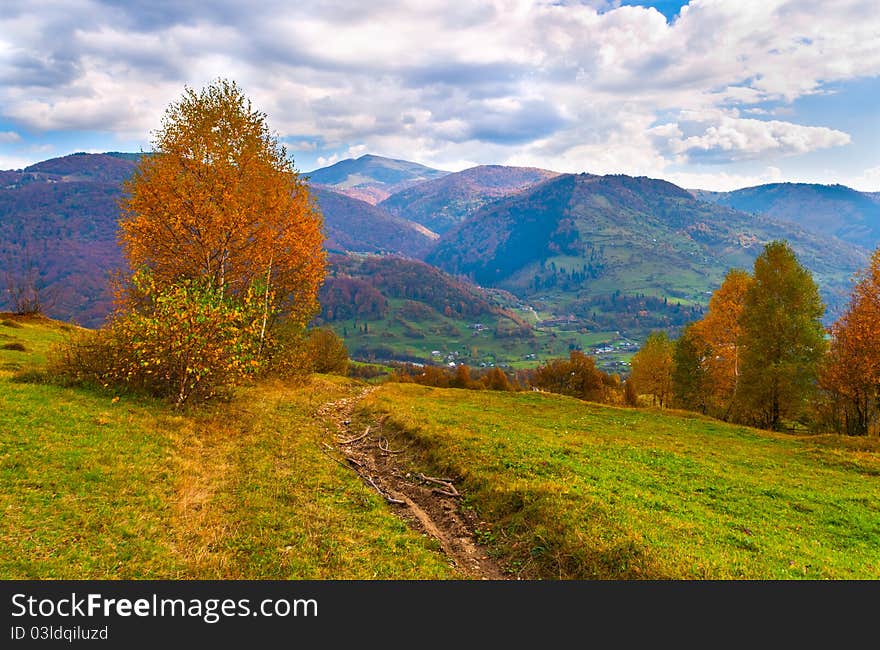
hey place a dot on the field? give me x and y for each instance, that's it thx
(441, 339)
(96, 487)
(99, 485)
(574, 490)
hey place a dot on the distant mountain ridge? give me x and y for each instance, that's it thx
(372, 178)
(357, 226)
(584, 243)
(613, 252)
(835, 210)
(445, 202)
(60, 217)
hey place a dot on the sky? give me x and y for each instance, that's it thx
(710, 94)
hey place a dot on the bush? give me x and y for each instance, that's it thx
(367, 370)
(187, 342)
(576, 376)
(325, 352)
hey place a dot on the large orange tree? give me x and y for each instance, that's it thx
(219, 201)
(720, 330)
(852, 369)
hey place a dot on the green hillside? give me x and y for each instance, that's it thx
(98, 485)
(390, 308)
(98, 488)
(625, 253)
(575, 490)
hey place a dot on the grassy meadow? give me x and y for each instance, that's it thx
(99, 486)
(575, 490)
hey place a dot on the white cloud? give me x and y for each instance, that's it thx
(14, 162)
(9, 136)
(727, 137)
(724, 181)
(867, 181)
(545, 82)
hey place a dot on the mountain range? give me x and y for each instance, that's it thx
(445, 202)
(602, 252)
(834, 210)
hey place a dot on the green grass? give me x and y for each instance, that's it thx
(99, 487)
(457, 340)
(35, 333)
(576, 490)
(96, 487)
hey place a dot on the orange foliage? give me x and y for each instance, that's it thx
(220, 201)
(852, 369)
(652, 368)
(721, 331)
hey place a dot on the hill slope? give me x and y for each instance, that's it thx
(105, 486)
(389, 308)
(834, 210)
(576, 490)
(372, 178)
(445, 202)
(102, 488)
(58, 219)
(588, 244)
(355, 225)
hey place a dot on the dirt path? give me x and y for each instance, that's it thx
(429, 504)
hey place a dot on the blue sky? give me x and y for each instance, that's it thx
(714, 94)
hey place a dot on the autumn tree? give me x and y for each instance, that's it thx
(219, 200)
(652, 368)
(462, 377)
(576, 376)
(224, 245)
(852, 370)
(719, 332)
(496, 379)
(782, 339)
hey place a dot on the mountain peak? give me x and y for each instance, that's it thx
(372, 178)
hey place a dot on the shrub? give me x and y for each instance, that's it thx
(185, 341)
(326, 352)
(576, 376)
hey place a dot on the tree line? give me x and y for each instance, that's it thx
(761, 356)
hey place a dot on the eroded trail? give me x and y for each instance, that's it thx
(429, 504)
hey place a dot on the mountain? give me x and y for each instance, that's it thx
(354, 225)
(445, 202)
(635, 253)
(372, 178)
(85, 167)
(830, 209)
(58, 219)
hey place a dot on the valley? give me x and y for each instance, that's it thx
(540, 263)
